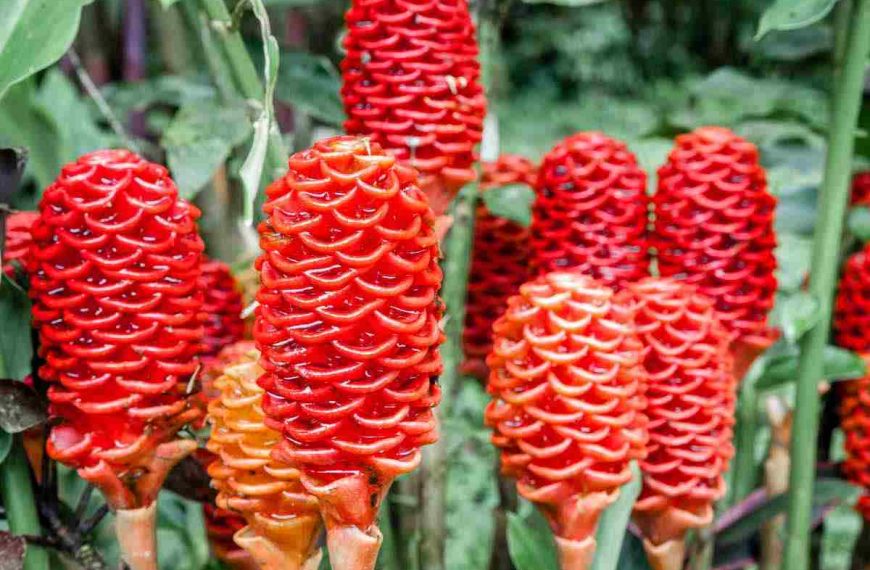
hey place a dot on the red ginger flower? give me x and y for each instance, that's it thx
(691, 398)
(283, 521)
(500, 260)
(591, 211)
(861, 189)
(568, 398)
(220, 526)
(348, 327)
(412, 83)
(17, 239)
(114, 268)
(714, 228)
(222, 306)
(852, 331)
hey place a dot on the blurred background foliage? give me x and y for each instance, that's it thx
(145, 73)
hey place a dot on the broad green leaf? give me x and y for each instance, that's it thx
(24, 123)
(614, 522)
(16, 347)
(569, 3)
(199, 139)
(840, 533)
(785, 15)
(795, 314)
(311, 83)
(251, 171)
(5, 444)
(795, 45)
(531, 546)
(20, 407)
(651, 153)
(633, 556)
(839, 364)
(512, 202)
(167, 3)
(173, 90)
(289, 3)
(793, 261)
(859, 223)
(35, 36)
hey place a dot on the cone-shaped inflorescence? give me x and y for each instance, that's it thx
(114, 270)
(17, 240)
(222, 306)
(852, 331)
(861, 189)
(714, 228)
(568, 397)
(591, 211)
(348, 327)
(500, 261)
(283, 519)
(412, 84)
(690, 405)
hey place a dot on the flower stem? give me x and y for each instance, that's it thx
(17, 491)
(846, 98)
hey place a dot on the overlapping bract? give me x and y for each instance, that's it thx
(267, 493)
(861, 189)
(412, 84)
(500, 261)
(348, 322)
(691, 399)
(591, 211)
(114, 271)
(18, 239)
(714, 226)
(568, 398)
(852, 331)
(222, 306)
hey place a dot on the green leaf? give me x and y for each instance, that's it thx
(569, 3)
(5, 444)
(840, 533)
(793, 261)
(251, 171)
(839, 364)
(16, 347)
(199, 139)
(859, 223)
(172, 90)
(20, 406)
(795, 315)
(651, 153)
(531, 546)
(311, 83)
(291, 3)
(36, 35)
(512, 202)
(614, 521)
(795, 45)
(787, 15)
(167, 3)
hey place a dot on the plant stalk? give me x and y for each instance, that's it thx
(846, 103)
(16, 489)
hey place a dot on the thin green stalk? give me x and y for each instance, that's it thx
(847, 91)
(18, 500)
(743, 473)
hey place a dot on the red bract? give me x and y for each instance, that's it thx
(222, 306)
(861, 189)
(591, 211)
(568, 394)
(17, 239)
(714, 226)
(691, 399)
(220, 526)
(348, 328)
(500, 261)
(114, 268)
(412, 84)
(852, 331)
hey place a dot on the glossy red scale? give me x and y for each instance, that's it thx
(500, 261)
(17, 240)
(591, 211)
(348, 324)
(114, 270)
(222, 306)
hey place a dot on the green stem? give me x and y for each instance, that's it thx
(744, 470)
(18, 500)
(702, 557)
(846, 98)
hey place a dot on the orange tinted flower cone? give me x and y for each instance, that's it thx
(348, 327)
(568, 394)
(283, 519)
(690, 406)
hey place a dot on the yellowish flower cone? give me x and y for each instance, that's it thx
(283, 520)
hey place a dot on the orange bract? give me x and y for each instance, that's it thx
(568, 394)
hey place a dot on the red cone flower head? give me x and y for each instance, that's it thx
(691, 398)
(861, 189)
(852, 331)
(222, 305)
(714, 226)
(17, 239)
(568, 394)
(412, 84)
(283, 519)
(500, 261)
(114, 269)
(348, 323)
(591, 211)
